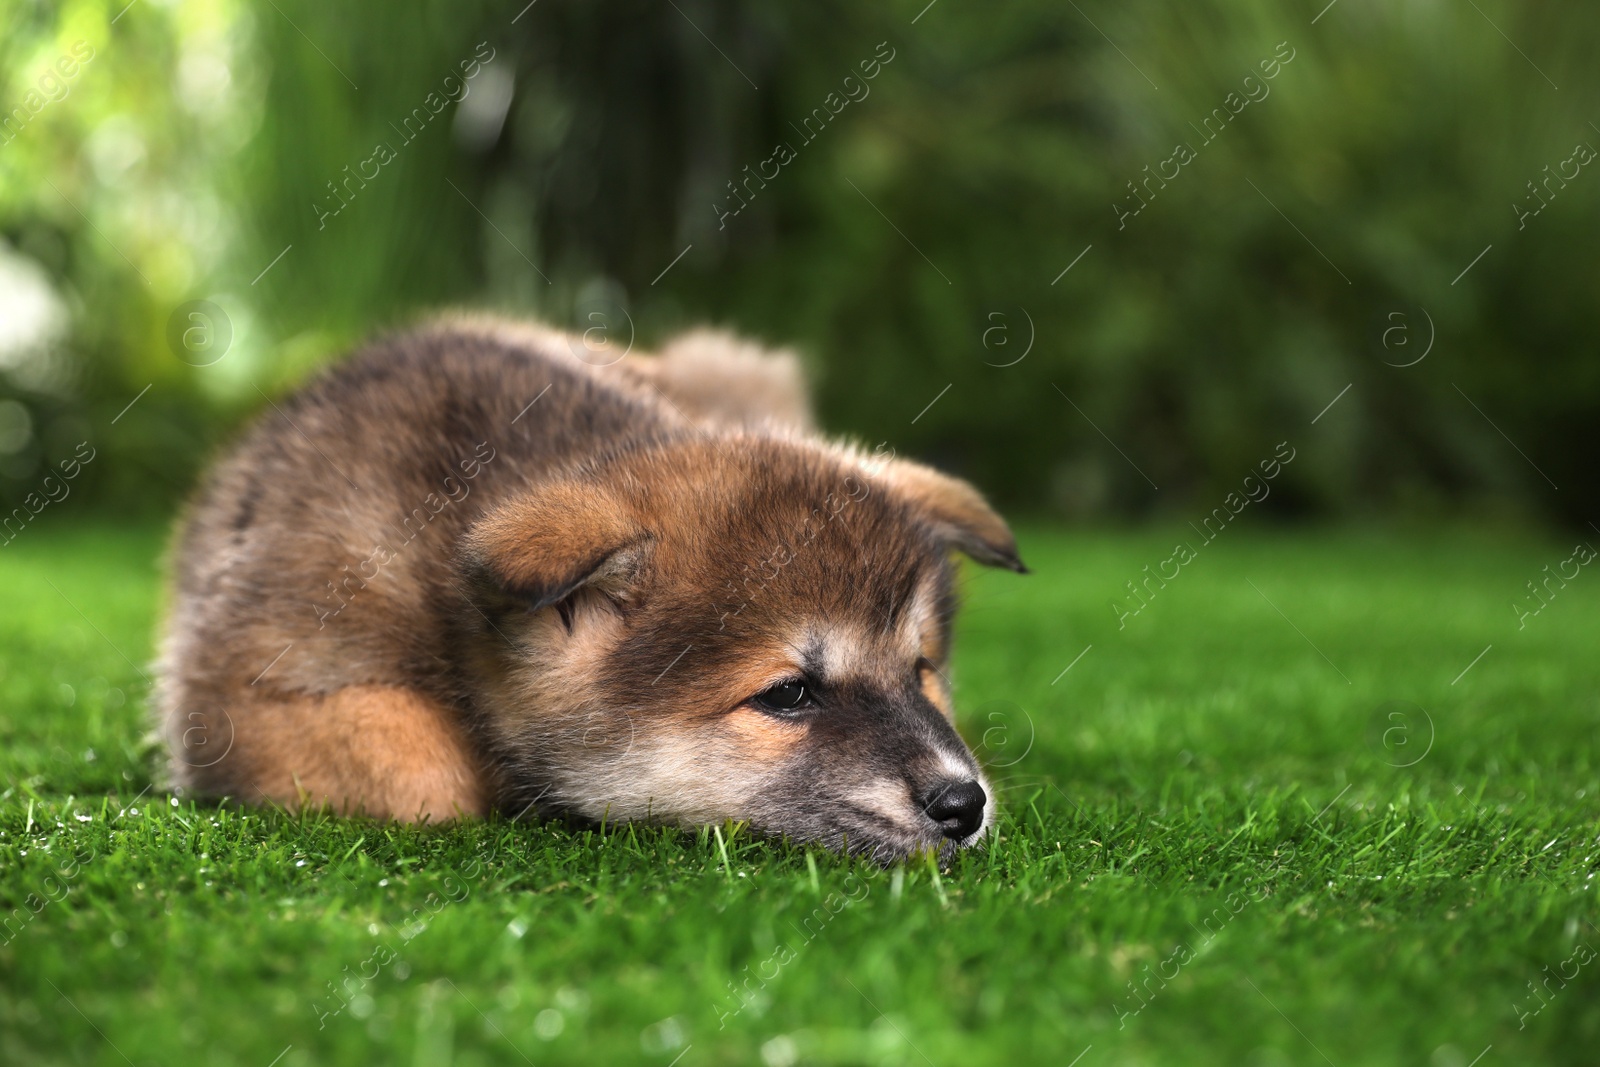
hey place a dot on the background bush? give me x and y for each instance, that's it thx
(925, 225)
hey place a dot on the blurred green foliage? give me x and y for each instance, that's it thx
(913, 235)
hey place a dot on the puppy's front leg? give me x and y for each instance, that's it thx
(386, 751)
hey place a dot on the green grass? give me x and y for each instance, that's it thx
(1381, 914)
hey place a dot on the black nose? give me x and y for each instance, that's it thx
(956, 806)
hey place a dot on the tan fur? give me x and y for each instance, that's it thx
(959, 509)
(571, 532)
(716, 377)
(376, 750)
(762, 737)
(937, 692)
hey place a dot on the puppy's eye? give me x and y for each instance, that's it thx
(787, 696)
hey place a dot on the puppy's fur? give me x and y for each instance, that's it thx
(476, 567)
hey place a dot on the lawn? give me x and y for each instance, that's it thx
(1291, 813)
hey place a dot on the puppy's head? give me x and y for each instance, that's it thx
(743, 628)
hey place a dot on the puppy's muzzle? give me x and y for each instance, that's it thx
(956, 806)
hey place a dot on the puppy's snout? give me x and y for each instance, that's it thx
(956, 805)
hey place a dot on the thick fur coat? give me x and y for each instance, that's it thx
(481, 566)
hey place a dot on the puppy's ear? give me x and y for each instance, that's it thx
(543, 547)
(958, 512)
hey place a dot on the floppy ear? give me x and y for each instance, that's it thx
(958, 512)
(545, 546)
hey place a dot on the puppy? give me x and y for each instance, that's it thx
(485, 565)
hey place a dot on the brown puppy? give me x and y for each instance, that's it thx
(483, 566)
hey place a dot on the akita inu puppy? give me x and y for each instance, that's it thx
(484, 566)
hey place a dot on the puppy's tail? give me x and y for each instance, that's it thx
(714, 376)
